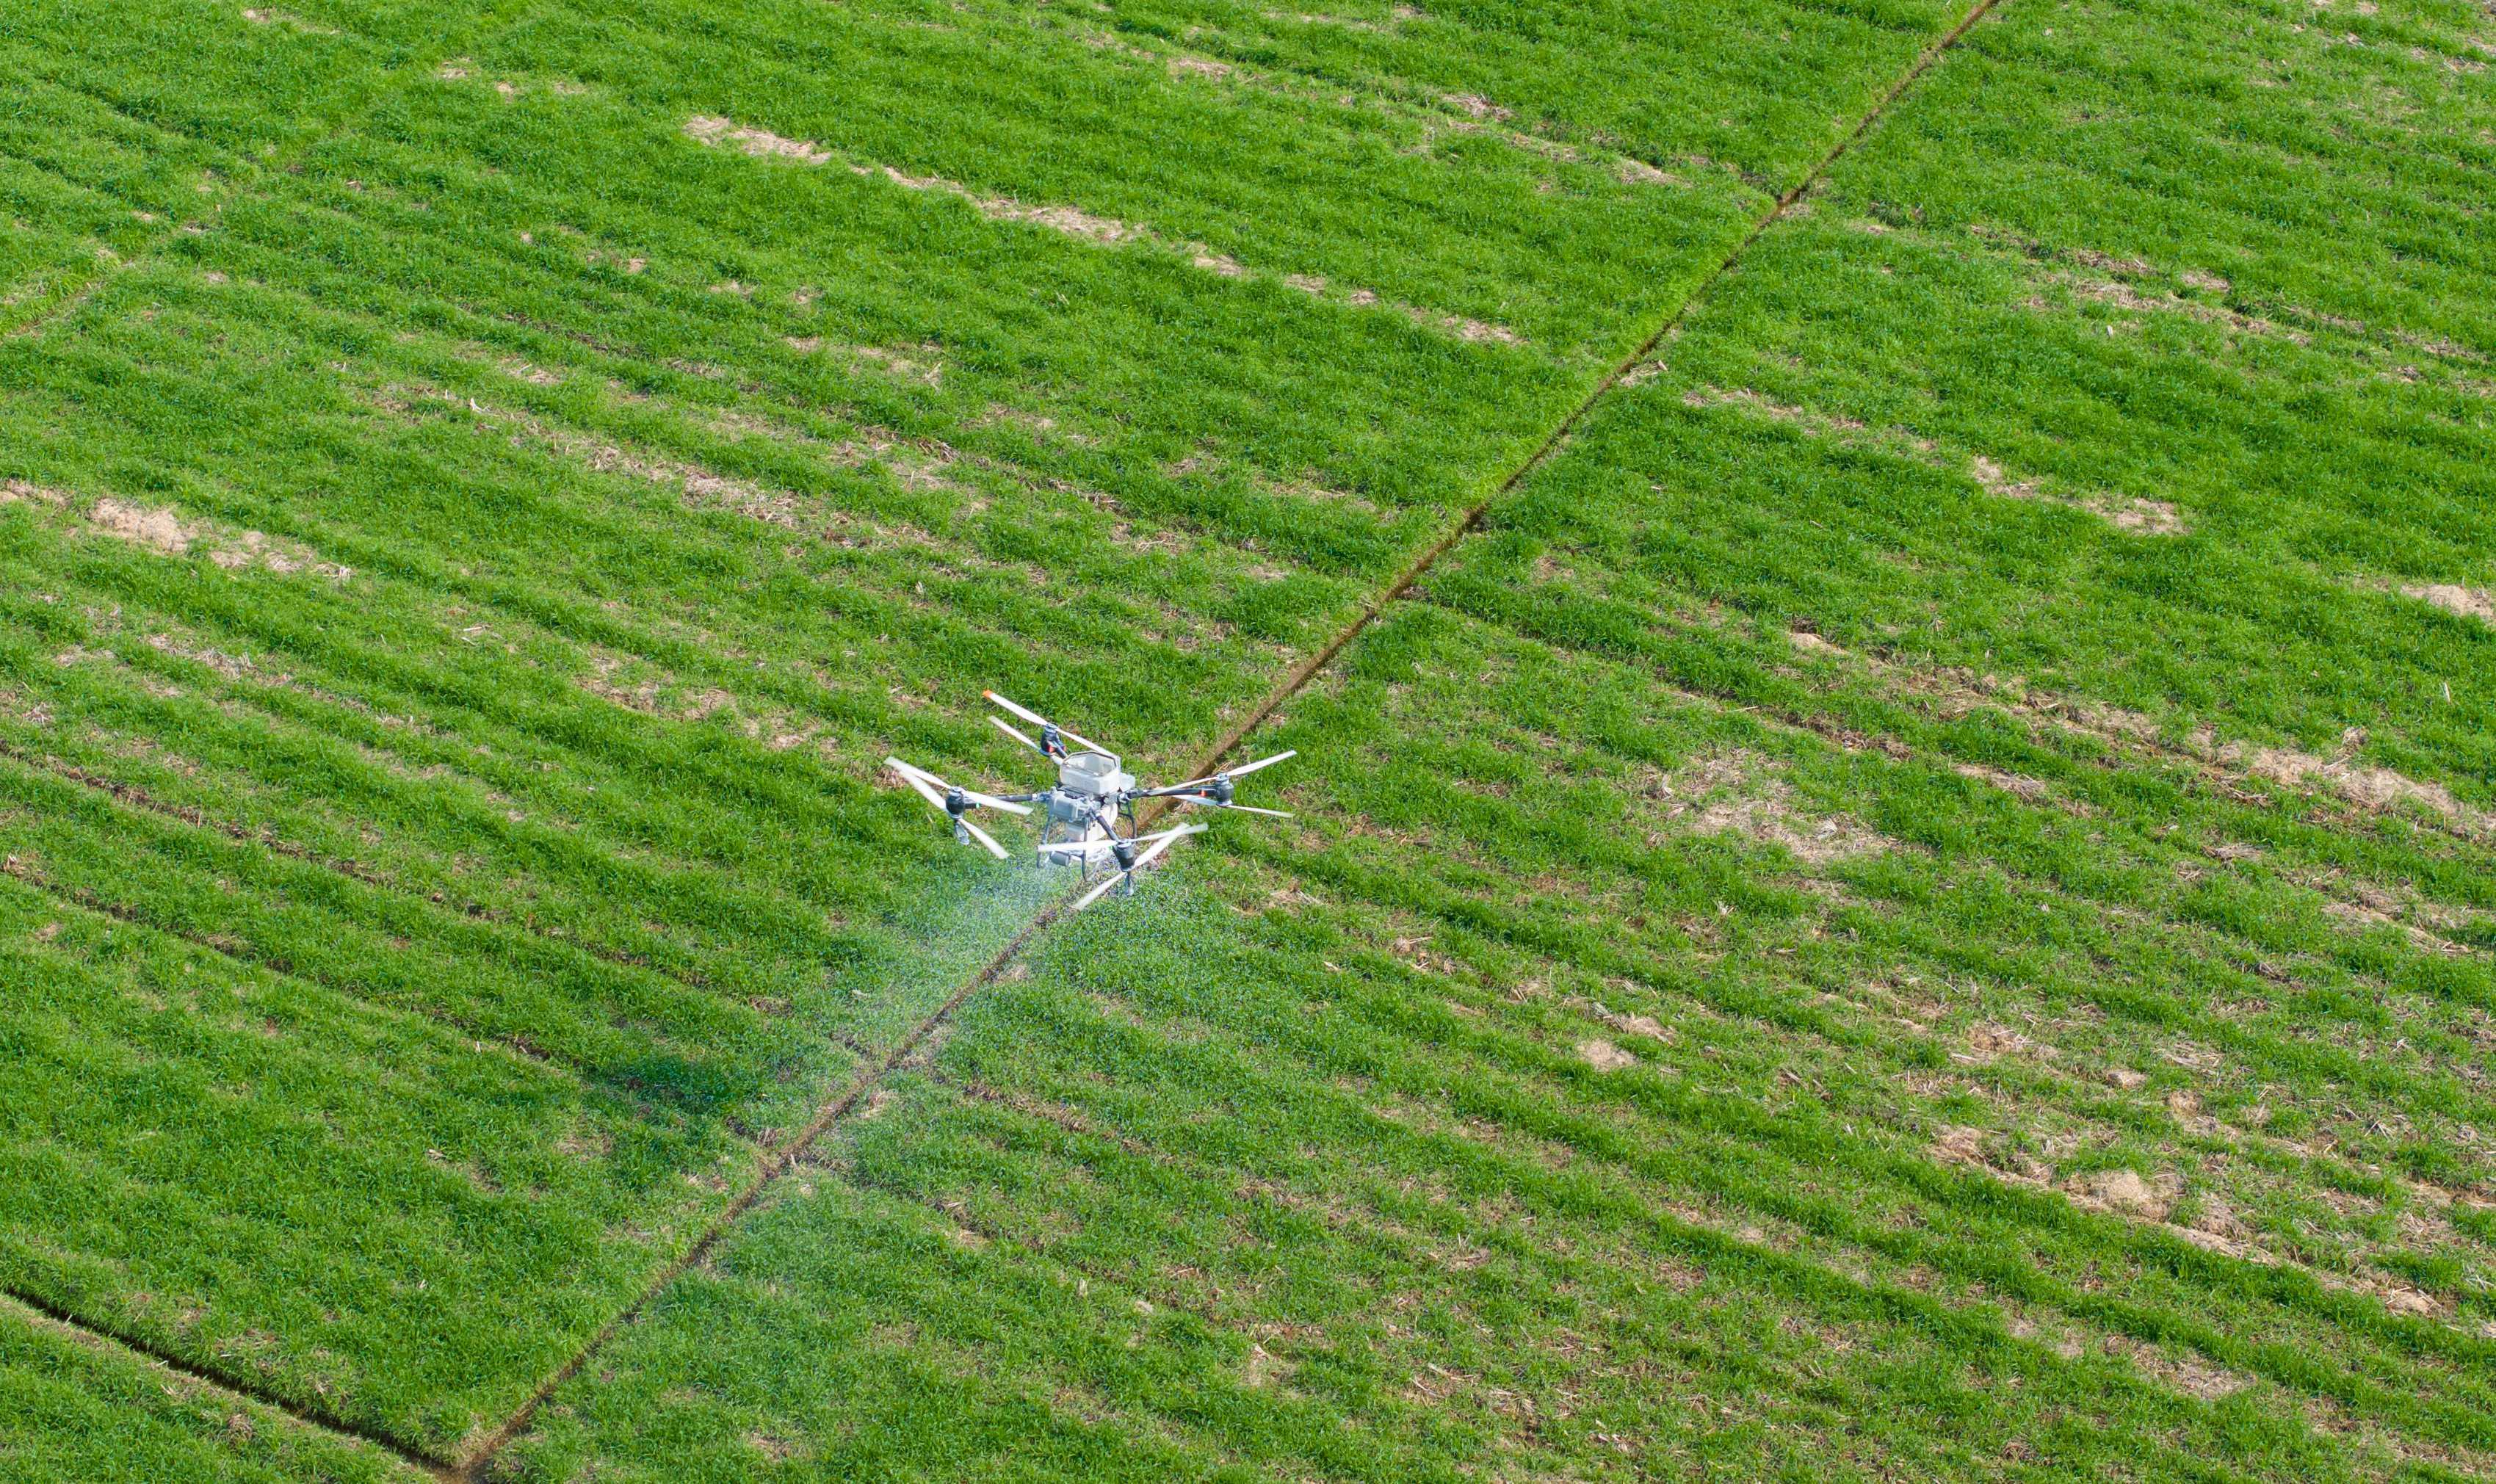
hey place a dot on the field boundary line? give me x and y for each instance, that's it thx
(472, 1468)
(42, 1313)
(1298, 680)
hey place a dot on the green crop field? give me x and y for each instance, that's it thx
(1889, 608)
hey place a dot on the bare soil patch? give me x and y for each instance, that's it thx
(2462, 602)
(1603, 1056)
(165, 532)
(1738, 793)
(2145, 518)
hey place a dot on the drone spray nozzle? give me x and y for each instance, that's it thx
(1126, 854)
(956, 802)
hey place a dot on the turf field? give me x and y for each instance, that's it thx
(1890, 612)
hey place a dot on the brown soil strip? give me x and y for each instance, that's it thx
(1309, 669)
(42, 1314)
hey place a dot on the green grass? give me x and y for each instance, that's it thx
(73, 1409)
(1915, 902)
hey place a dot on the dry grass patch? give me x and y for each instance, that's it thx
(1604, 1056)
(1087, 226)
(1739, 795)
(639, 686)
(2130, 515)
(165, 532)
(465, 69)
(288, 19)
(922, 363)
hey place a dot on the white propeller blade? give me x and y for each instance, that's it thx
(1165, 840)
(1006, 726)
(985, 837)
(1038, 720)
(923, 781)
(1096, 893)
(1246, 768)
(910, 776)
(1205, 803)
(1241, 771)
(1161, 842)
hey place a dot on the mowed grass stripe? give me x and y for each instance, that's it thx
(1470, 521)
(621, 1027)
(936, 1172)
(462, 688)
(1128, 394)
(1952, 921)
(140, 733)
(791, 588)
(1291, 188)
(120, 715)
(478, 1459)
(2323, 838)
(1384, 1195)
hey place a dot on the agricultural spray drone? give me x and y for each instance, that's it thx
(1089, 818)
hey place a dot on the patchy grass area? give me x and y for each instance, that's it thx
(1915, 900)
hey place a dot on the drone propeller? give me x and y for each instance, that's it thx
(1047, 726)
(938, 791)
(1219, 784)
(1160, 843)
(956, 803)
(1007, 727)
(984, 837)
(1202, 802)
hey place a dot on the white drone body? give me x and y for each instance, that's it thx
(1089, 820)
